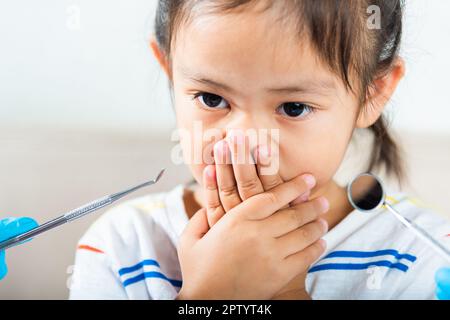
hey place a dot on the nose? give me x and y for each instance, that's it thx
(248, 121)
(258, 129)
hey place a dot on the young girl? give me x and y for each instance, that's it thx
(301, 77)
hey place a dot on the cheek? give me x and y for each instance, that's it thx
(319, 153)
(183, 111)
(197, 153)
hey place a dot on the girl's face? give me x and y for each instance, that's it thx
(250, 71)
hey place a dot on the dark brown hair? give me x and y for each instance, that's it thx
(339, 32)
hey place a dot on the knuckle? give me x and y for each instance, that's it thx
(312, 231)
(305, 234)
(297, 218)
(213, 204)
(249, 184)
(270, 184)
(310, 212)
(228, 191)
(216, 213)
(271, 198)
(211, 187)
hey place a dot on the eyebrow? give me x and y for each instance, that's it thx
(308, 86)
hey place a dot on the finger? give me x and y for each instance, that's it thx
(267, 167)
(302, 237)
(265, 164)
(228, 192)
(244, 168)
(195, 229)
(214, 209)
(265, 204)
(301, 261)
(290, 219)
(300, 199)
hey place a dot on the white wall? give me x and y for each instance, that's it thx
(422, 100)
(103, 74)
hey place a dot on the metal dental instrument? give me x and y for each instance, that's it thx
(366, 193)
(75, 214)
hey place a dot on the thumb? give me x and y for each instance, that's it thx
(196, 227)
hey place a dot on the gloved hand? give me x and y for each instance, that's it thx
(10, 227)
(442, 278)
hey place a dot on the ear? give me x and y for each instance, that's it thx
(160, 56)
(379, 94)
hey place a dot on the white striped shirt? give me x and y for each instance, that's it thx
(130, 253)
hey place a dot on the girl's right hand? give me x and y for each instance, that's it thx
(255, 249)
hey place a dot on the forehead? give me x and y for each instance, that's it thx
(245, 47)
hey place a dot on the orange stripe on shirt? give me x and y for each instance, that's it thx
(89, 248)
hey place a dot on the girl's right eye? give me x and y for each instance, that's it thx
(211, 101)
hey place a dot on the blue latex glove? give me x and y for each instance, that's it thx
(11, 227)
(442, 278)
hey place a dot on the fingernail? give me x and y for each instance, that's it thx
(309, 180)
(324, 204)
(324, 224)
(221, 152)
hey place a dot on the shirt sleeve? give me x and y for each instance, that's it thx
(94, 273)
(126, 254)
(93, 276)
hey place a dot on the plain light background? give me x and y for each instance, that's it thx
(102, 75)
(85, 111)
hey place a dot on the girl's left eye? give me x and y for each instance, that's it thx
(295, 110)
(211, 101)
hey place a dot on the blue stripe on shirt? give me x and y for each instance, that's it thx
(151, 274)
(145, 275)
(369, 254)
(359, 266)
(148, 262)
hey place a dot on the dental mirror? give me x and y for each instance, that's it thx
(366, 194)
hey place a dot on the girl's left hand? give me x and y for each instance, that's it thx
(233, 179)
